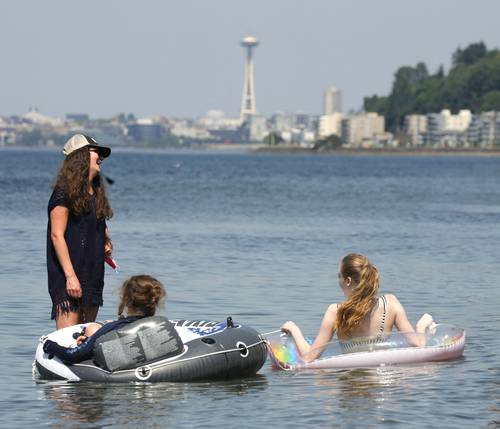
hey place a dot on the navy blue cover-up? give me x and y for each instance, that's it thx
(85, 236)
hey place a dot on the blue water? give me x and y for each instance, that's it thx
(259, 237)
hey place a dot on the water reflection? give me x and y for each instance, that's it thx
(375, 384)
(92, 404)
(75, 403)
(368, 397)
(252, 384)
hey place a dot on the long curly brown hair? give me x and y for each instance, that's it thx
(73, 179)
(365, 287)
(141, 294)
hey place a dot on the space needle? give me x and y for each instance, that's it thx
(248, 107)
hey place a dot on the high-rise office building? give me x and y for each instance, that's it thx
(332, 100)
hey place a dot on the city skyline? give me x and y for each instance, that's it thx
(183, 59)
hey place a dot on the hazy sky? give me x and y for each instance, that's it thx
(181, 58)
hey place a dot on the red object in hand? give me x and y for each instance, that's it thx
(111, 262)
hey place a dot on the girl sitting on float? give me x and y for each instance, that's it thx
(363, 314)
(141, 296)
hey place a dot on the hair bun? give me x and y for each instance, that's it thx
(141, 294)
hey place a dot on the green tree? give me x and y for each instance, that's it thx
(440, 72)
(472, 83)
(429, 95)
(330, 142)
(376, 104)
(469, 55)
(491, 101)
(273, 138)
(402, 98)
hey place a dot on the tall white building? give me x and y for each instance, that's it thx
(332, 99)
(363, 130)
(415, 126)
(447, 130)
(329, 124)
(484, 130)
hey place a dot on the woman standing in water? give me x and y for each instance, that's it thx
(77, 236)
(363, 314)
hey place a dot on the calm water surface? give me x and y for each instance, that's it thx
(258, 237)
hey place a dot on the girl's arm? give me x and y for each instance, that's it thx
(403, 324)
(90, 330)
(58, 223)
(327, 329)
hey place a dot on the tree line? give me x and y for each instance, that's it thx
(473, 82)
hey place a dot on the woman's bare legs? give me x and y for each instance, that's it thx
(70, 318)
(67, 318)
(88, 314)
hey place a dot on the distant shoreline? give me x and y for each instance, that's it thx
(382, 152)
(257, 148)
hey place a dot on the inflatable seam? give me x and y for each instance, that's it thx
(173, 360)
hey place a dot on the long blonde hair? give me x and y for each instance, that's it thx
(364, 286)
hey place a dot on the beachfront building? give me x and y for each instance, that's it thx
(299, 137)
(415, 126)
(445, 130)
(36, 118)
(304, 121)
(363, 130)
(222, 128)
(33, 129)
(332, 100)
(329, 124)
(7, 133)
(188, 129)
(257, 128)
(484, 130)
(80, 118)
(216, 119)
(294, 128)
(145, 130)
(282, 122)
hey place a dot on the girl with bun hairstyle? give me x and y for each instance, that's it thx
(140, 297)
(364, 312)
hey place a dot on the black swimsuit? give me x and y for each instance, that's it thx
(382, 320)
(363, 343)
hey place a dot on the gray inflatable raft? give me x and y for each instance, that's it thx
(155, 349)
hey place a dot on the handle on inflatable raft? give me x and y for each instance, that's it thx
(284, 354)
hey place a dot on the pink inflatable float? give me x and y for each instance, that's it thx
(442, 342)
